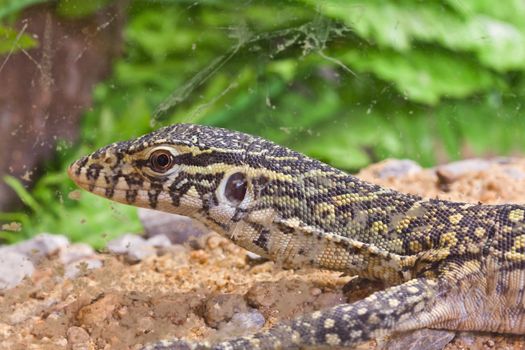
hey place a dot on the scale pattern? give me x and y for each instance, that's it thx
(446, 265)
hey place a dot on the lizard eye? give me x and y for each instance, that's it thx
(235, 188)
(161, 160)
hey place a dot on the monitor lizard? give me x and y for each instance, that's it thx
(446, 265)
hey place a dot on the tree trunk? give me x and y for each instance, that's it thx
(44, 91)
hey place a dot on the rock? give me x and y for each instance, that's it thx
(75, 252)
(397, 168)
(429, 339)
(123, 244)
(78, 267)
(253, 259)
(458, 168)
(99, 311)
(38, 247)
(243, 322)
(514, 173)
(176, 227)
(79, 339)
(140, 252)
(14, 267)
(221, 307)
(134, 247)
(160, 240)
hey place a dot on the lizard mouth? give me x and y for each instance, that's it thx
(93, 179)
(97, 179)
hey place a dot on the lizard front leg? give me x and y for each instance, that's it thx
(399, 308)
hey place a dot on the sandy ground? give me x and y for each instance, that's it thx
(195, 290)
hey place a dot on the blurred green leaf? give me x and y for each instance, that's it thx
(424, 75)
(9, 7)
(23, 194)
(482, 29)
(12, 41)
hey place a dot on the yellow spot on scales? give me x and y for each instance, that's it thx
(324, 210)
(415, 246)
(329, 323)
(361, 311)
(455, 219)
(448, 239)
(413, 290)
(479, 232)
(403, 224)
(379, 226)
(514, 254)
(348, 198)
(393, 302)
(516, 215)
(332, 339)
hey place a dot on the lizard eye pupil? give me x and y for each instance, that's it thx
(161, 161)
(235, 189)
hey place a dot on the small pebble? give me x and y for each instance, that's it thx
(160, 240)
(461, 167)
(75, 252)
(243, 322)
(140, 252)
(79, 267)
(136, 248)
(255, 259)
(315, 291)
(125, 243)
(38, 247)
(220, 308)
(78, 338)
(516, 174)
(397, 168)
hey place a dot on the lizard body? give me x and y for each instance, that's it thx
(446, 265)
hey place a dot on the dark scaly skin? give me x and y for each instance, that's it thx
(447, 265)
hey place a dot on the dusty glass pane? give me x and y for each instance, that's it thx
(422, 97)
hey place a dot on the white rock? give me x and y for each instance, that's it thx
(159, 241)
(140, 252)
(123, 244)
(242, 322)
(460, 167)
(75, 268)
(38, 247)
(13, 268)
(75, 252)
(398, 168)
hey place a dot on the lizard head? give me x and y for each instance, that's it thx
(215, 175)
(266, 198)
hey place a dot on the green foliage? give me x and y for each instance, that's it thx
(10, 7)
(78, 219)
(348, 82)
(12, 41)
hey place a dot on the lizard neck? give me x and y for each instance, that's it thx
(335, 203)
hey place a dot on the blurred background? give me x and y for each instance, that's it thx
(347, 82)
